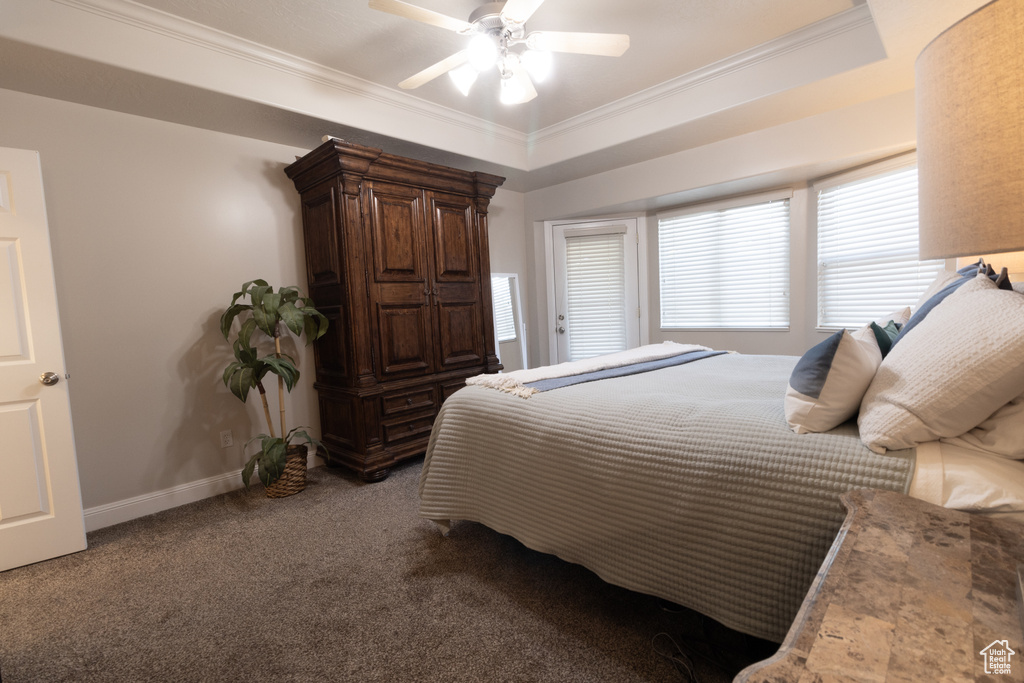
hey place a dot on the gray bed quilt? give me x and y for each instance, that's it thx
(684, 483)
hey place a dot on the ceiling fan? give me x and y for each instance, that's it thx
(496, 28)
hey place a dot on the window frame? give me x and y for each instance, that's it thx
(785, 194)
(862, 173)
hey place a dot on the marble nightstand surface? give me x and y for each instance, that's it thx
(909, 592)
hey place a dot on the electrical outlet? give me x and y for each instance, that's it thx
(226, 439)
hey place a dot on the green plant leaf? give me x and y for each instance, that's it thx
(289, 294)
(245, 333)
(272, 460)
(247, 470)
(241, 381)
(229, 370)
(244, 291)
(266, 311)
(229, 316)
(292, 317)
(257, 293)
(240, 293)
(284, 368)
(271, 304)
(246, 355)
(316, 326)
(301, 432)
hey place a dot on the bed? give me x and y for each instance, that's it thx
(685, 482)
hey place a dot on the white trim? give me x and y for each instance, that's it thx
(853, 19)
(642, 225)
(875, 168)
(534, 150)
(600, 225)
(587, 229)
(548, 326)
(730, 203)
(158, 501)
(156, 21)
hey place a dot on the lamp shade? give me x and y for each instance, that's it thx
(970, 135)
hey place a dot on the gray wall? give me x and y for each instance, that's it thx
(154, 226)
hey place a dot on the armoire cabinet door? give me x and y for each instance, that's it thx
(458, 309)
(400, 279)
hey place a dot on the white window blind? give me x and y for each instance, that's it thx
(867, 246)
(725, 267)
(596, 294)
(504, 320)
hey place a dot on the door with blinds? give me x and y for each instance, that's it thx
(596, 288)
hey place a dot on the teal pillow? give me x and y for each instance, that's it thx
(885, 336)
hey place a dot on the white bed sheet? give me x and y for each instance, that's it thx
(971, 480)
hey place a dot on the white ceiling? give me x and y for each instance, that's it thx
(291, 71)
(669, 38)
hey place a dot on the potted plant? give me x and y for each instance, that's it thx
(281, 460)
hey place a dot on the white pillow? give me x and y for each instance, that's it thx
(899, 317)
(829, 381)
(980, 482)
(941, 280)
(1000, 434)
(963, 362)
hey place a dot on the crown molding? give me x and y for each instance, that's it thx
(171, 26)
(829, 28)
(554, 144)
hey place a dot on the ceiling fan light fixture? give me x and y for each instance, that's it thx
(538, 63)
(512, 91)
(464, 77)
(497, 35)
(483, 52)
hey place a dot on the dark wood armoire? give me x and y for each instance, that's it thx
(396, 258)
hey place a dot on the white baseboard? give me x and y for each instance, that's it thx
(158, 501)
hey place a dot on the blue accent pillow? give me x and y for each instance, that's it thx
(829, 381)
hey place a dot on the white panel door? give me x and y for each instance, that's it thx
(596, 288)
(40, 500)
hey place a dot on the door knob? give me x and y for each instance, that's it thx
(561, 330)
(49, 378)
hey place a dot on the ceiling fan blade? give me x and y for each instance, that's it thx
(404, 9)
(435, 70)
(518, 11)
(603, 44)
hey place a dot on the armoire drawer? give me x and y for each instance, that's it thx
(409, 400)
(397, 431)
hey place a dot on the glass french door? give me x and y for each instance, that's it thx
(596, 288)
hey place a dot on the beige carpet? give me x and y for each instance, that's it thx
(342, 582)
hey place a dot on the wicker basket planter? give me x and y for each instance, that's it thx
(293, 478)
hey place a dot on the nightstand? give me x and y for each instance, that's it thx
(909, 592)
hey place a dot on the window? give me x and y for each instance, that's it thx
(867, 244)
(595, 267)
(726, 265)
(504, 320)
